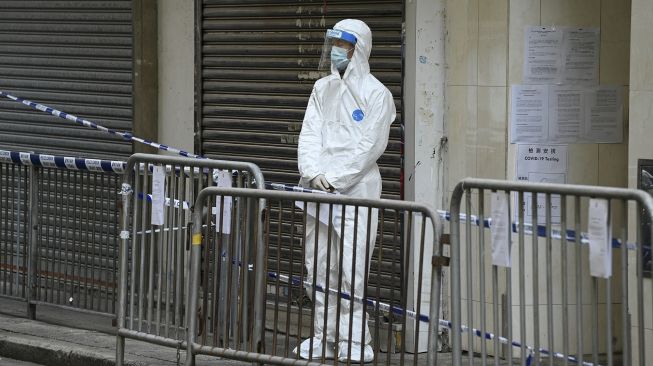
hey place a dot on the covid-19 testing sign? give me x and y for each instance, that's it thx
(541, 164)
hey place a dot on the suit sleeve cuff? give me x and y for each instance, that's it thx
(334, 181)
(309, 175)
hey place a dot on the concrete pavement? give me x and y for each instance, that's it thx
(11, 362)
(63, 337)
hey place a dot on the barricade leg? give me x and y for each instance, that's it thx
(438, 261)
(122, 291)
(193, 293)
(120, 350)
(258, 337)
(33, 243)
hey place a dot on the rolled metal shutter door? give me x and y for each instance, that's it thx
(75, 56)
(258, 65)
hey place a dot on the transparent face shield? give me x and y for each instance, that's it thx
(336, 46)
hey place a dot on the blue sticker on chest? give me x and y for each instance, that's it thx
(357, 115)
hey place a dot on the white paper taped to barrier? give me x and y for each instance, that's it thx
(223, 178)
(599, 237)
(158, 194)
(500, 230)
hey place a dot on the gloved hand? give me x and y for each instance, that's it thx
(321, 183)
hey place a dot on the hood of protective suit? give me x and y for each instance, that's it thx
(347, 123)
(359, 63)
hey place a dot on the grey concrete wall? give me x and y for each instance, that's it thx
(176, 57)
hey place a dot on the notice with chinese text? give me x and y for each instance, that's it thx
(541, 164)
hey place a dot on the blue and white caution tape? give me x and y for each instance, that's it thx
(118, 167)
(422, 317)
(541, 230)
(168, 202)
(92, 163)
(101, 165)
(292, 188)
(514, 343)
(164, 230)
(65, 162)
(83, 122)
(369, 302)
(75, 163)
(446, 215)
(97, 165)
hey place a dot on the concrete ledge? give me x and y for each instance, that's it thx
(51, 354)
(49, 344)
(64, 337)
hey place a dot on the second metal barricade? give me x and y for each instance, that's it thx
(291, 289)
(158, 195)
(547, 283)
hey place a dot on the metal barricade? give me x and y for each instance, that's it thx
(153, 286)
(59, 218)
(76, 251)
(542, 305)
(14, 229)
(285, 290)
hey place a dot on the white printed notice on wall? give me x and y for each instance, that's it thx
(529, 113)
(555, 55)
(604, 114)
(557, 114)
(541, 164)
(580, 55)
(542, 55)
(566, 115)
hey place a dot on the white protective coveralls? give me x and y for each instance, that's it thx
(345, 130)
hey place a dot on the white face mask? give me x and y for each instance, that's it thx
(339, 57)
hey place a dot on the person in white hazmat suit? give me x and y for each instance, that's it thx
(345, 130)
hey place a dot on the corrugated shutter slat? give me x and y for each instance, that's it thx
(75, 56)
